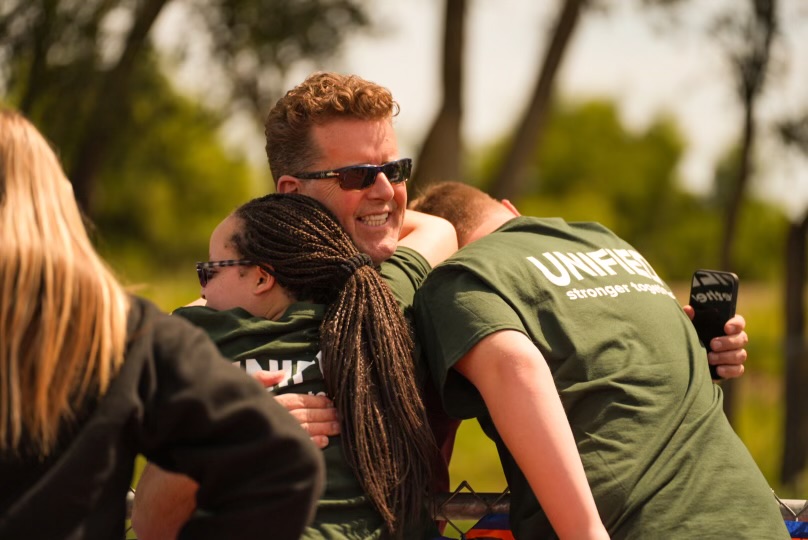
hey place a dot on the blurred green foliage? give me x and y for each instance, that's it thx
(589, 167)
(160, 195)
(89, 75)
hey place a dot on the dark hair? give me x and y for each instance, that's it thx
(366, 342)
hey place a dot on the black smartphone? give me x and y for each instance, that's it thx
(713, 295)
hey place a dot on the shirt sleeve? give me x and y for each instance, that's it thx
(404, 272)
(454, 310)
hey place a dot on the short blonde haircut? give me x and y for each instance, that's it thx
(462, 205)
(63, 314)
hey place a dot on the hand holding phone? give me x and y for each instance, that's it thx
(713, 296)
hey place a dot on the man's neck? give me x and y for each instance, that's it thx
(491, 222)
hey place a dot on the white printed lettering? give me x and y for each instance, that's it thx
(635, 263)
(603, 259)
(619, 260)
(252, 366)
(561, 280)
(592, 264)
(572, 262)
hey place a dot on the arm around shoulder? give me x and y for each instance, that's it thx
(431, 236)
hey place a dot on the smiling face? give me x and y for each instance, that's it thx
(372, 217)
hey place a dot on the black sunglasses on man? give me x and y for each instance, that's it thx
(356, 177)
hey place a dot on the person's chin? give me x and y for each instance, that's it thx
(379, 251)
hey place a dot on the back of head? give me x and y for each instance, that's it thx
(62, 314)
(366, 344)
(310, 254)
(464, 206)
(322, 97)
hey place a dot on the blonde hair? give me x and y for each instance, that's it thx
(62, 312)
(462, 205)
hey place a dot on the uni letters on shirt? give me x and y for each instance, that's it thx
(561, 268)
(293, 369)
(593, 263)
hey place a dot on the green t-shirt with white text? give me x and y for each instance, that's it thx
(659, 454)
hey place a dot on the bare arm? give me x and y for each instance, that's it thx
(431, 236)
(728, 353)
(517, 386)
(163, 503)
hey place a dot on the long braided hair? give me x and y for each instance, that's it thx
(366, 343)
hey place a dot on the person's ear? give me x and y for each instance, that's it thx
(264, 282)
(288, 184)
(507, 204)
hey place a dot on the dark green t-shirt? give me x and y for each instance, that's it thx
(659, 454)
(404, 272)
(292, 344)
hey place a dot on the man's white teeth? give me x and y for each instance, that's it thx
(375, 220)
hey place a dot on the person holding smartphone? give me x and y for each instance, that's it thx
(332, 138)
(320, 138)
(562, 340)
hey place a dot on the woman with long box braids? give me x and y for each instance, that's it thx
(287, 289)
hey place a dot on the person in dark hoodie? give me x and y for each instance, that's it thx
(91, 376)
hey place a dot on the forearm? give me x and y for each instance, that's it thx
(532, 423)
(517, 386)
(164, 501)
(211, 422)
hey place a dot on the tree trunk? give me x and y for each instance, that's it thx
(731, 222)
(739, 188)
(751, 72)
(36, 73)
(441, 152)
(104, 117)
(509, 181)
(795, 447)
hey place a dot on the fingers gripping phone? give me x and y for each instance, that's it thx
(713, 295)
